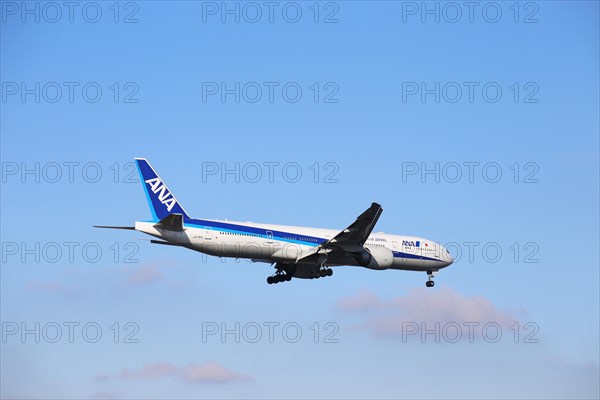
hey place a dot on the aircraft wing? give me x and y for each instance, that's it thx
(358, 232)
(349, 240)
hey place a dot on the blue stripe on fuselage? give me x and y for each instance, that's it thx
(278, 235)
(401, 254)
(259, 232)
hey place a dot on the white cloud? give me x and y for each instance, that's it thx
(145, 274)
(423, 306)
(107, 395)
(211, 372)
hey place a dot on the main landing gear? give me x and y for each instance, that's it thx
(280, 276)
(430, 282)
(322, 273)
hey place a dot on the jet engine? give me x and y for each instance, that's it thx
(375, 257)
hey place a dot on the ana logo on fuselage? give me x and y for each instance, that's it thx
(410, 243)
(164, 196)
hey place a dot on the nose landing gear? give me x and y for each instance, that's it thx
(430, 282)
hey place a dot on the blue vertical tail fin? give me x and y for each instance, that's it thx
(161, 200)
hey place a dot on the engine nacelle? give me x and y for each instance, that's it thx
(375, 258)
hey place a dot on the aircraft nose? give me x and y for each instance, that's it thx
(446, 256)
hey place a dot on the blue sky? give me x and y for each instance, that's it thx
(361, 131)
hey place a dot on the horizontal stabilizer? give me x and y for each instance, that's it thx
(161, 242)
(131, 228)
(260, 260)
(172, 222)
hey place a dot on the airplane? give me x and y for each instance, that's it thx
(295, 251)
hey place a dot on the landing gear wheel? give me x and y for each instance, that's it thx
(281, 275)
(430, 282)
(324, 272)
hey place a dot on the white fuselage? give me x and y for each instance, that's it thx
(282, 243)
